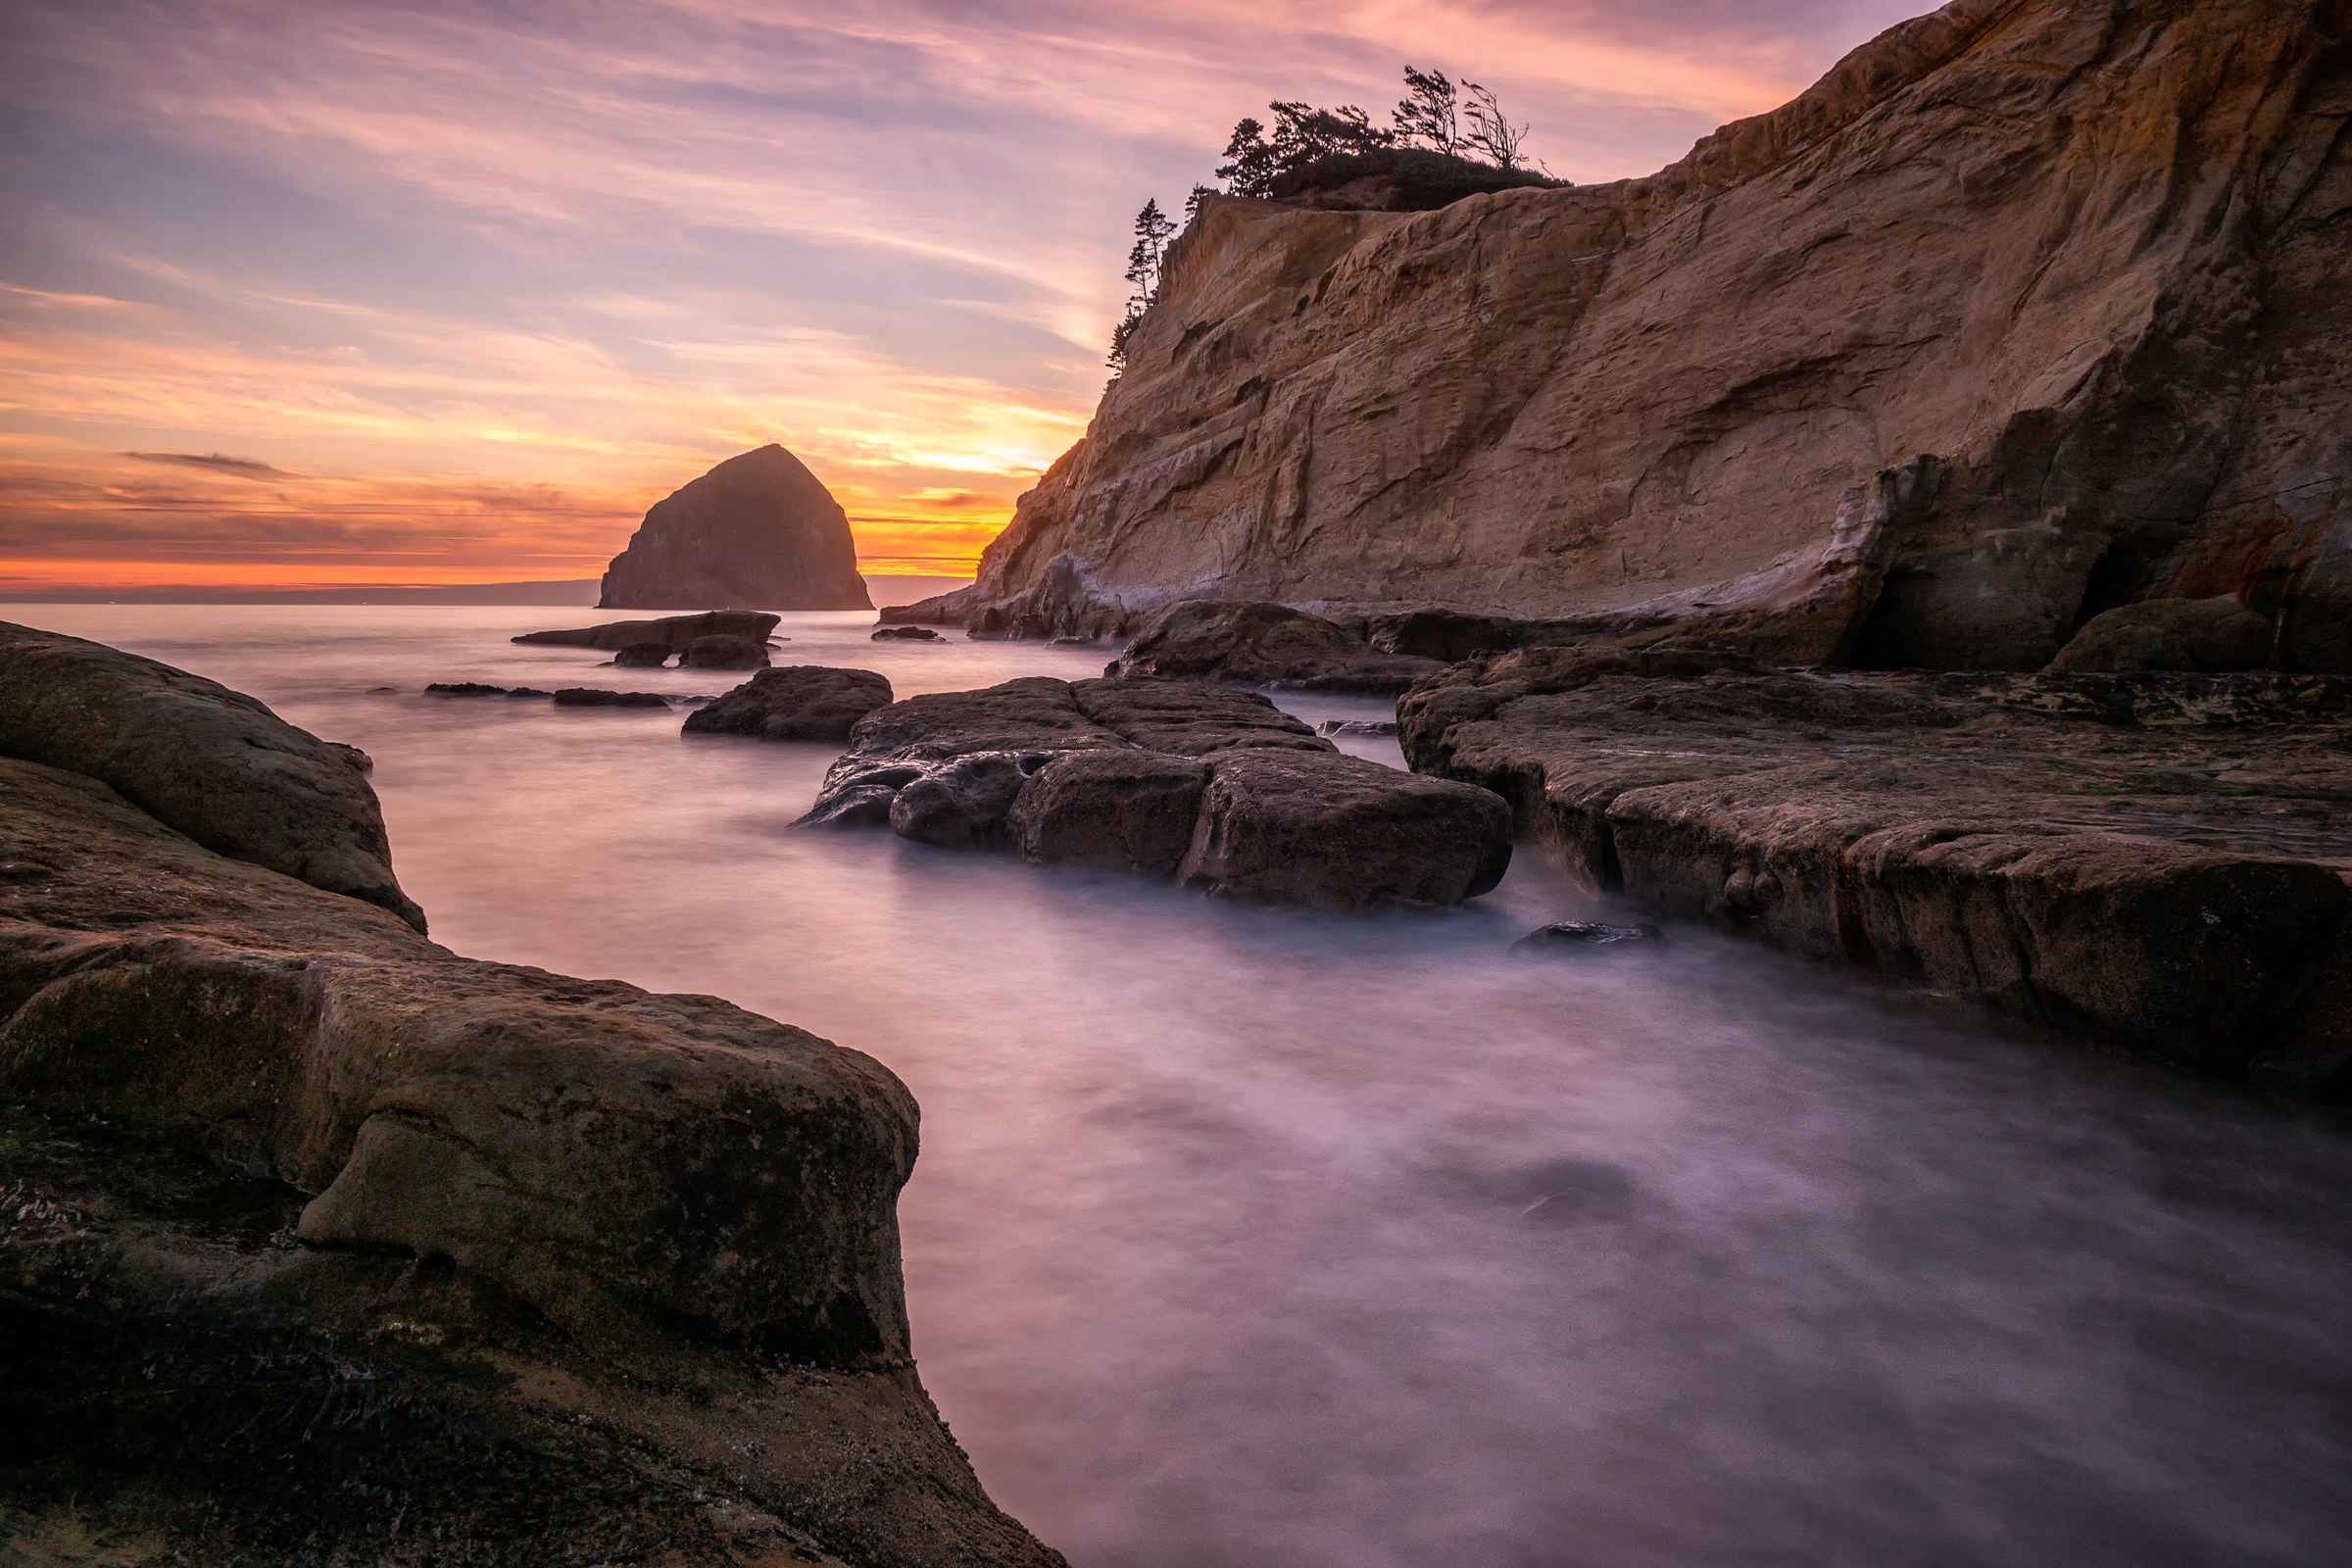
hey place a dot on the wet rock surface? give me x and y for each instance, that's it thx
(643, 656)
(597, 697)
(213, 763)
(1265, 645)
(1216, 788)
(905, 634)
(318, 1240)
(724, 652)
(2154, 861)
(1564, 938)
(794, 703)
(676, 633)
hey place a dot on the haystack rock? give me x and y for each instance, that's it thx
(758, 531)
(2028, 310)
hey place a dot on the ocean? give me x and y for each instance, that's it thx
(1255, 1236)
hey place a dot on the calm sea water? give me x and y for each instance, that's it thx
(1248, 1236)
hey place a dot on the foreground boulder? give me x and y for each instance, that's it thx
(2155, 861)
(213, 763)
(319, 1239)
(797, 703)
(1265, 645)
(756, 529)
(1785, 392)
(1217, 789)
(2211, 636)
(676, 633)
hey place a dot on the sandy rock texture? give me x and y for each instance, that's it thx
(756, 529)
(320, 1244)
(214, 765)
(2154, 861)
(2028, 310)
(675, 633)
(1216, 788)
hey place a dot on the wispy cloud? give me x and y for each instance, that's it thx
(399, 256)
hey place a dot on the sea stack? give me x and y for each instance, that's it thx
(759, 531)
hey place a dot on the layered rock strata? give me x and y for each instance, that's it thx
(319, 1242)
(2155, 861)
(1216, 789)
(212, 764)
(674, 633)
(756, 529)
(2029, 309)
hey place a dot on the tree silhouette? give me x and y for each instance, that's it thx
(1302, 133)
(1153, 229)
(1428, 112)
(1490, 131)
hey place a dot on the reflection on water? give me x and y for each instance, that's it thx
(1250, 1236)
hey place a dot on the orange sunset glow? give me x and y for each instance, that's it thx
(301, 295)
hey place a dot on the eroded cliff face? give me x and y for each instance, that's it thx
(2025, 309)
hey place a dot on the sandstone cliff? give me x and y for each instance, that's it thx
(2027, 310)
(759, 531)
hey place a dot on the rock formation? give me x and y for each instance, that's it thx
(318, 1240)
(2028, 310)
(2155, 861)
(1218, 789)
(210, 763)
(797, 703)
(677, 633)
(1264, 645)
(757, 529)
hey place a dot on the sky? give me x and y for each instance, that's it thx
(335, 292)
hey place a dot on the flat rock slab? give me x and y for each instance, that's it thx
(794, 703)
(2156, 861)
(212, 764)
(1216, 788)
(597, 697)
(1258, 644)
(674, 632)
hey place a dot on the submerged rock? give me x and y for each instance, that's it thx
(756, 529)
(2157, 860)
(1213, 787)
(596, 697)
(1356, 726)
(1265, 645)
(905, 634)
(677, 633)
(724, 652)
(212, 764)
(463, 688)
(795, 703)
(643, 656)
(1563, 937)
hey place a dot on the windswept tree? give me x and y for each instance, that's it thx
(1492, 133)
(1152, 229)
(1429, 113)
(1303, 134)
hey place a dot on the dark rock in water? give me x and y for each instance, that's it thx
(1165, 777)
(1265, 645)
(284, 1178)
(1287, 827)
(643, 656)
(796, 702)
(907, 634)
(2156, 861)
(1580, 936)
(2214, 636)
(463, 688)
(756, 529)
(207, 762)
(1073, 642)
(1356, 726)
(529, 691)
(963, 803)
(724, 652)
(378, 690)
(596, 697)
(1111, 811)
(675, 632)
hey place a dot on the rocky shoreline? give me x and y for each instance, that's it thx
(323, 1244)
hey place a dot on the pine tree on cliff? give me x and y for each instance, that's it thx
(1429, 113)
(1153, 229)
(1303, 136)
(1490, 132)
